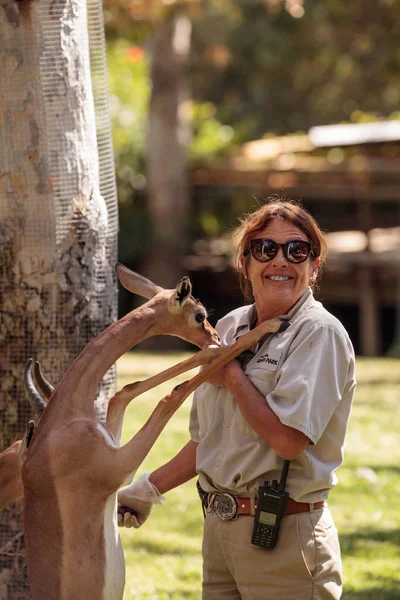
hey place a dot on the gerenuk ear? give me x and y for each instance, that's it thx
(135, 283)
(181, 294)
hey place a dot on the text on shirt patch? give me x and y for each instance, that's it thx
(266, 359)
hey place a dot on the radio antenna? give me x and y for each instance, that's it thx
(284, 473)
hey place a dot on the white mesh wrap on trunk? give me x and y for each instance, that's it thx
(58, 214)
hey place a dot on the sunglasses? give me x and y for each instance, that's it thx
(295, 251)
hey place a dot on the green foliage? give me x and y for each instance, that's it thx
(128, 68)
(164, 557)
(128, 75)
(210, 136)
(286, 72)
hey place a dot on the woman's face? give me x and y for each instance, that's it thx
(279, 283)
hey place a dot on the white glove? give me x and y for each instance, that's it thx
(135, 502)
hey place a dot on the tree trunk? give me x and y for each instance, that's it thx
(57, 290)
(167, 163)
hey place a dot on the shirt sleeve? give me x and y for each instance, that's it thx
(194, 424)
(312, 379)
(194, 427)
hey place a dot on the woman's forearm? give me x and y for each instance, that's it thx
(178, 470)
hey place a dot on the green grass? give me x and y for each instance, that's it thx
(163, 558)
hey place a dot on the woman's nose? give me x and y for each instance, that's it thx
(279, 258)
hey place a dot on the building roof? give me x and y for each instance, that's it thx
(351, 134)
(334, 162)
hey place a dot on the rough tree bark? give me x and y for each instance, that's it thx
(56, 289)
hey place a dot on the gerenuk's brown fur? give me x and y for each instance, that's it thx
(11, 486)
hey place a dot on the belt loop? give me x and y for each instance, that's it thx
(311, 507)
(252, 506)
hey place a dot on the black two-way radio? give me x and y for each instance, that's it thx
(272, 501)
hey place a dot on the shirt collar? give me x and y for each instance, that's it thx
(249, 317)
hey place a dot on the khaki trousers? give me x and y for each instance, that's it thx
(304, 565)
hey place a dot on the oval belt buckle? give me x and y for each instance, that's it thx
(225, 506)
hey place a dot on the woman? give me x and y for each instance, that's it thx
(290, 400)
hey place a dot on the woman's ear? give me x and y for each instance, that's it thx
(315, 269)
(243, 265)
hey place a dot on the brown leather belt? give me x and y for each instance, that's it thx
(292, 507)
(227, 507)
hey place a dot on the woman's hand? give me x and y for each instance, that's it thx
(227, 374)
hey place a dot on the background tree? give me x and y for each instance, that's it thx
(167, 151)
(168, 135)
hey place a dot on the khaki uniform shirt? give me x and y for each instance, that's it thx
(307, 377)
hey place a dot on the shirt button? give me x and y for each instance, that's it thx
(217, 463)
(227, 423)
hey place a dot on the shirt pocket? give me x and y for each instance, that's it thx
(262, 378)
(264, 381)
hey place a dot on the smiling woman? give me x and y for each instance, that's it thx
(289, 399)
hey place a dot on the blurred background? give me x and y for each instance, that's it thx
(217, 104)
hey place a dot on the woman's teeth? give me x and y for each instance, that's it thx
(278, 278)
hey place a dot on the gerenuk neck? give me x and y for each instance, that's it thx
(86, 372)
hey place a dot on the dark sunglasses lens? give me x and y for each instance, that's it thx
(263, 250)
(298, 251)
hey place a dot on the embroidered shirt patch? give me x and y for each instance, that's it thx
(268, 360)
